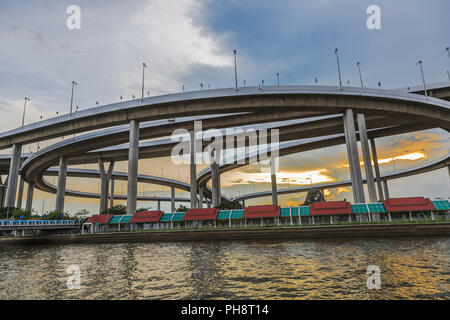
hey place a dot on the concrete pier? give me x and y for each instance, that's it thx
(105, 178)
(273, 177)
(133, 159)
(20, 193)
(377, 169)
(200, 197)
(193, 171)
(111, 194)
(366, 157)
(13, 175)
(30, 192)
(386, 189)
(62, 177)
(353, 157)
(172, 199)
(215, 180)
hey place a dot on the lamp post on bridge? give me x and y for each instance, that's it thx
(339, 68)
(448, 51)
(144, 65)
(423, 78)
(71, 98)
(24, 108)
(235, 70)
(360, 75)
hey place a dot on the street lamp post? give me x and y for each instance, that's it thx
(71, 98)
(423, 78)
(144, 65)
(235, 70)
(448, 51)
(448, 74)
(24, 108)
(360, 75)
(339, 68)
(278, 79)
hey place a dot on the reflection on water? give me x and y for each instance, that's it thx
(411, 268)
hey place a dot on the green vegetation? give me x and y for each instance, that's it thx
(16, 213)
(229, 206)
(116, 210)
(182, 208)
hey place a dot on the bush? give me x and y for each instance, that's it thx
(55, 215)
(228, 206)
(116, 210)
(15, 213)
(182, 208)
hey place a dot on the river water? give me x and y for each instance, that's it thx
(411, 268)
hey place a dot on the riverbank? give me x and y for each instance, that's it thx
(284, 233)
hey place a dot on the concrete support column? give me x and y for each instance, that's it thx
(20, 193)
(13, 175)
(111, 194)
(377, 169)
(215, 179)
(273, 177)
(366, 156)
(201, 197)
(62, 177)
(29, 203)
(243, 204)
(159, 205)
(193, 171)
(133, 159)
(172, 199)
(353, 157)
(2, 192)
(105, 178)
(386, 189)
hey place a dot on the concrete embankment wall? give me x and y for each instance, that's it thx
(286, 233)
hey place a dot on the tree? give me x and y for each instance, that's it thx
(228, 206)
(116, 210)
(182, 208)
(83, 213)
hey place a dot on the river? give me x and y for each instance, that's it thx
(411, 268)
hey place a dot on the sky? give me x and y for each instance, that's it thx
(188, 42)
